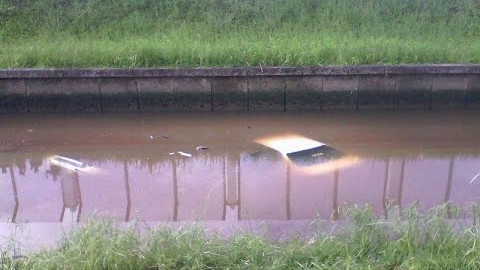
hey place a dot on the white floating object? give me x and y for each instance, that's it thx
(201, 147)
(474, 178)
(151, 137)
(171, 153)
(184, 154)
(68, 163)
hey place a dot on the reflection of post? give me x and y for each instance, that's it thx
(70, 191)
(225, 185)
(384, 196)
(175, 190)
(289, 215)
(335, 196)
(232, 188)
(62, 214)
(127, 189)
(396, 169)
(15, 194)
(239, 190)
(80, 203)
(449, 186)
(402, 176)
(450, 176)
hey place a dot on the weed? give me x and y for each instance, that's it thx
(148, 33)
(409, 241)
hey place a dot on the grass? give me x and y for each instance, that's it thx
(179, 33)
(413, 242)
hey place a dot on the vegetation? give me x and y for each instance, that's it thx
(151, 33)
(412, 242)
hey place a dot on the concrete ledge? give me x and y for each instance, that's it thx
(13, 95)
(230, 94)
(62, 95)
(422, 87)
(238, 71)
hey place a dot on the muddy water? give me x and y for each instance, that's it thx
(134, 170)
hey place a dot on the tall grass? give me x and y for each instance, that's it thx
(412, 242)
(148, 33)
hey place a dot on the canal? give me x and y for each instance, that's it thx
(210, 167)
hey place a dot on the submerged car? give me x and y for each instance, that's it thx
(310, 155)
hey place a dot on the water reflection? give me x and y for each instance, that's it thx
(200, 187)
(152, 191)
(72, 201)
(311, 195)
(363, 183)
(106, 192)
(462, 190)
(263, 187)
(9, 195)
(232, 186)
(39, 199)
(425, 176)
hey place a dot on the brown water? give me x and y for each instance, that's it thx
(401, 159)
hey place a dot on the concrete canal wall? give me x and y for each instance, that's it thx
(422, 87)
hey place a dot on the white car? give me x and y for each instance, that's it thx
(311, 156)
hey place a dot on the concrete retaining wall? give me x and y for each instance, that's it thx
(240, 89)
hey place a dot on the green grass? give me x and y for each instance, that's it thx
(411, 242)
(178, 33)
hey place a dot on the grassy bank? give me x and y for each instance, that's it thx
(149, 33)
(413, 242)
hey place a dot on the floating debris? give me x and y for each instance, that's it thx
(151, 137)
(201, 147)
(184, 154)
(68, 163)
(474, 178)
(165, 136)
(171, 153)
